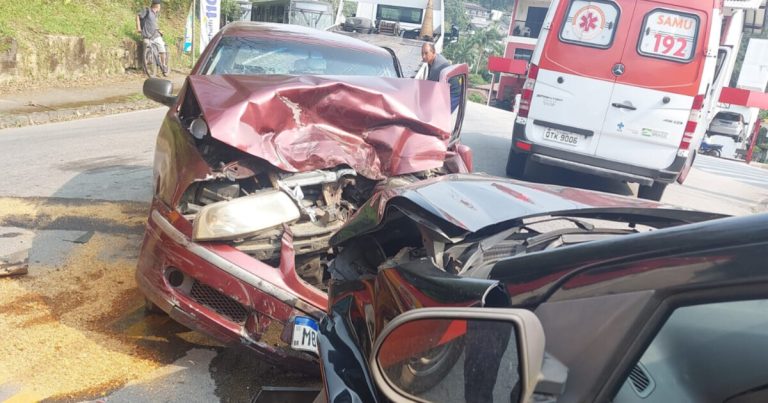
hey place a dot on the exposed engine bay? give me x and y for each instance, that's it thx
(325, 199)
(473, 255)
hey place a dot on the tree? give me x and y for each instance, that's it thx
(474, 49)
(462, 51)
(230, 11)
(455, 14)
(486, 41)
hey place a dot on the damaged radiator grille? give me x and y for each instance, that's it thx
(219, 302)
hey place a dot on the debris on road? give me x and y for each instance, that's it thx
(15, 264)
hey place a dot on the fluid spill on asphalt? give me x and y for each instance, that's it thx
(75, 329)
(78, 329)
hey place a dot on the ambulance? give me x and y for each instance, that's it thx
(621, 89)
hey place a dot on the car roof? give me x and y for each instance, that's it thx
(298, 33)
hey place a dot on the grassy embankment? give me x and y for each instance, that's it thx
(106, 23)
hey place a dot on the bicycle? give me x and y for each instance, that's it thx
(151, 60)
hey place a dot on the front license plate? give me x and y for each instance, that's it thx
(561, 136)
(304, 334)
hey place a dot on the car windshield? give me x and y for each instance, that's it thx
(249, 56)
(731, 117)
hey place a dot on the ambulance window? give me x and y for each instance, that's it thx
(669, 35)
(590, 23)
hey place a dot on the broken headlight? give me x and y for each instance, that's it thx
(243, 217)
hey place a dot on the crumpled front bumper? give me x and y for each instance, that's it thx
(217, 290)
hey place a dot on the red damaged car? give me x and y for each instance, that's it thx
(277, 137)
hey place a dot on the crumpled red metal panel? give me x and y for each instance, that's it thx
(378, 126)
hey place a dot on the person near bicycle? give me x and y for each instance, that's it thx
(147, 26)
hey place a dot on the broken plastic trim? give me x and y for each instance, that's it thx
(234, 270)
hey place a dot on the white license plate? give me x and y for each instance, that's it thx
(304, 334)
(561, 136)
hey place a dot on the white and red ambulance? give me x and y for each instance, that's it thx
(617, 88)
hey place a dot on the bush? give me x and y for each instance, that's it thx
(474, 97)
(477, 80)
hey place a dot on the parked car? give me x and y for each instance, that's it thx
(729, 124)
(621, 89)
(565, 294)
(277, 137)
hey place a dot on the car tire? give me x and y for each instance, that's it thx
(653, 192)
(516, 164)
(716, 153)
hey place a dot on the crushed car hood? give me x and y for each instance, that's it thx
(378, 126)
(464, 203)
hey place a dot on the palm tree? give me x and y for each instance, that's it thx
(463, 51)
(486, 40)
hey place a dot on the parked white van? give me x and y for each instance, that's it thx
(616, 88)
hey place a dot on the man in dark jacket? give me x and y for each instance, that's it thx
(435, 61)
(147, 26)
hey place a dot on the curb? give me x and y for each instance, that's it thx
(63, 115)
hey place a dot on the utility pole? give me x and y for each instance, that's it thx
(427, 27)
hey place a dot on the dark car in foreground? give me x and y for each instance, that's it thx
(277, 137)
(473, 288)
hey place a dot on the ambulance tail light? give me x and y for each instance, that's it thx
(527, 95)
(691, 125)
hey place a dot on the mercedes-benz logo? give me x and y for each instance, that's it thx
(618, 69)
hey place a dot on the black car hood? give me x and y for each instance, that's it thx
(465, 203)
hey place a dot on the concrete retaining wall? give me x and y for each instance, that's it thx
(59, 56)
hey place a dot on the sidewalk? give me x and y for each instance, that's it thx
(68, 101)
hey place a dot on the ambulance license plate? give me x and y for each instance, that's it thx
(561, 136)
(304, 334)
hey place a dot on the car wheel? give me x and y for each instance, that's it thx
(653, 192)
(420, 374)
(516, 164)
(716, 153)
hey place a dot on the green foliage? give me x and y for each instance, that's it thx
(762, 136)
(477, 79)
(474, 49)
(105, 22)
(503, 5)
(455, 14)
(230, 10)
(477, 98)
(350, 7)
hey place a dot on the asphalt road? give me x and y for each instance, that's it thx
(73, 199)
(735, 170)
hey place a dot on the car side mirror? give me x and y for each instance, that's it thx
(457, 77)
(459, 354)
(159, 90)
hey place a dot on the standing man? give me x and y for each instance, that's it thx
(146, 25)
(435, 61)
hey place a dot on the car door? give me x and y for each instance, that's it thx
(657, 78)
(456, 76)
(574, 81)
(601, 318)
